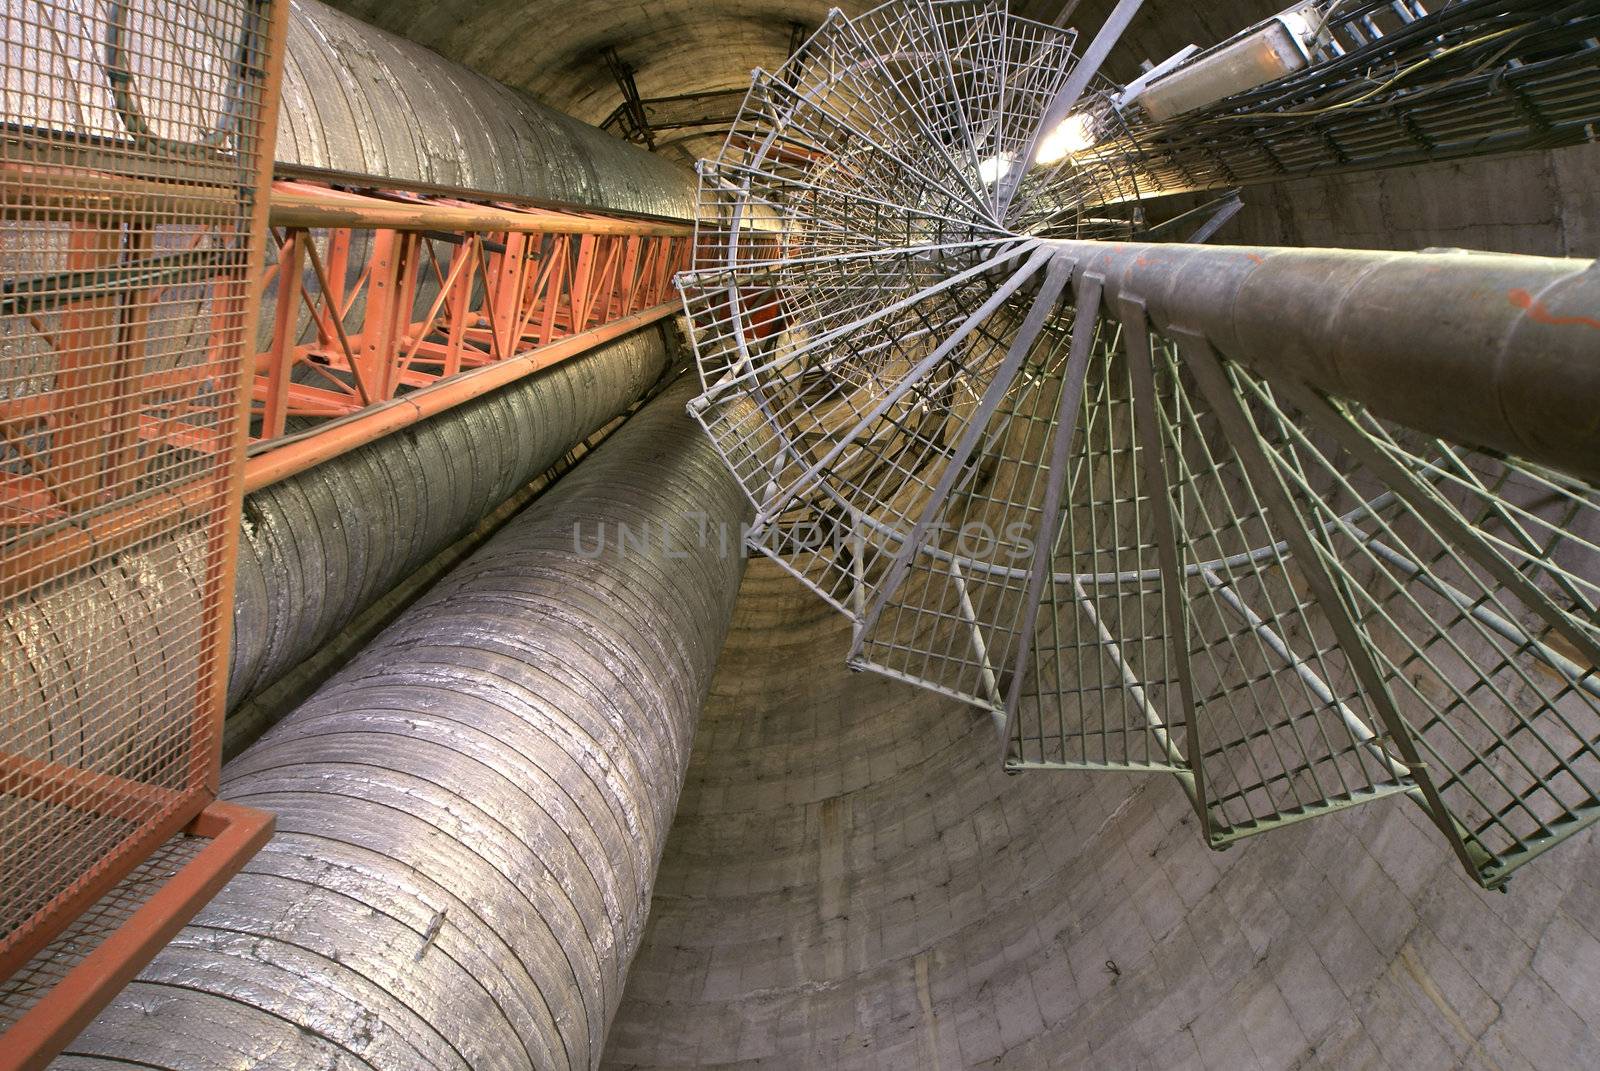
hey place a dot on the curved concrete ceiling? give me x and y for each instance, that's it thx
(555, 49)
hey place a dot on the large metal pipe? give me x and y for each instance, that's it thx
(1490, 349)
(319, 547)
(471, 813)
(358, 99)
(316, 550)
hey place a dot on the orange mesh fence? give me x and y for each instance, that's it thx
(129, 171)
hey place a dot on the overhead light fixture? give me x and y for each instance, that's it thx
(1074, 134)
(990, 170)
(1264, 53)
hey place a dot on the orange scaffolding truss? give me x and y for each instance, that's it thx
(382, 295)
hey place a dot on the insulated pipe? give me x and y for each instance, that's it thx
(357, 99)
(471, 813)
(316, 550)
(321, 546)
(1487, 349)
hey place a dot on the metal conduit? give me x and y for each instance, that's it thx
(471, 813)
(320, 547)
(357, 99)
(316, 550)
(1492, 349)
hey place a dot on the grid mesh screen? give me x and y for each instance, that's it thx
(127, 190)
(42, 973)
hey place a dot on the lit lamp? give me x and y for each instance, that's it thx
(1264, 53)
(1073, 134)
(991, 169)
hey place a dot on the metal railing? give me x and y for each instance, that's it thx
(389, 305)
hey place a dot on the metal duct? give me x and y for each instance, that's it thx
(361, 100)
(317, 549)
(471, 813)
(320, 547)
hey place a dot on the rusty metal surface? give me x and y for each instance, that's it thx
(470, 814)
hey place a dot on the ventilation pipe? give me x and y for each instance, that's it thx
(471, 813)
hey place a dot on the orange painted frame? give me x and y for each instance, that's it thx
(236, 832)
(520, 279)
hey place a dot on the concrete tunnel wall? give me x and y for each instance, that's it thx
(470, 813)
(851, 882)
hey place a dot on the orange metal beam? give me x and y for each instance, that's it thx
(520, 278)
(63, 192)
(96, 880)
(236, 322)
(385, 418)
(81, 789)
(236, 833)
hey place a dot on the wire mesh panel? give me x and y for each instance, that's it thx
(1139, 539)
(133, 134)
(1103, 690)
(55, 962)
(863, 264)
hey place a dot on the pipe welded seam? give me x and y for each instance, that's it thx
(470, 814)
